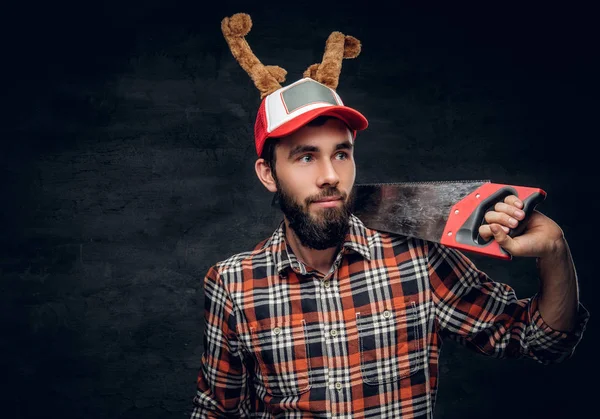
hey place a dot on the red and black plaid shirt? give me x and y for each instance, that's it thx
(283, 340)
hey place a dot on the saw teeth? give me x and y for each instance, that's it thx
(424, 182)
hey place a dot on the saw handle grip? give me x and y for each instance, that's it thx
(462, 229)
(529, 204)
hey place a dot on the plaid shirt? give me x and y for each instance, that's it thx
(283, 340)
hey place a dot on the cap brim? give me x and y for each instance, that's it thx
(354, 119)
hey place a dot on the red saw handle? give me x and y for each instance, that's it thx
(462, 227)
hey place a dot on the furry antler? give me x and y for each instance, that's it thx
(337, 47)
(267, 79)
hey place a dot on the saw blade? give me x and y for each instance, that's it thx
(416, 209)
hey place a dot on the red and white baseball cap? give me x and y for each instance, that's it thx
(293, 106)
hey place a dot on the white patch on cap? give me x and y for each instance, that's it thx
(277, 113)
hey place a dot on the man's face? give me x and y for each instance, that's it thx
(315, 173)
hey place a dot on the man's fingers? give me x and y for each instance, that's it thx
(510, 210)
(514, 201)
(501, 218)
(505, 215)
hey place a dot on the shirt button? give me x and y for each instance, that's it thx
(387, 314)
(276, 331)
(333, 332)
(338, 385)
(326, 283)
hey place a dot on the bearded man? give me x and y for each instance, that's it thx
(329, 318)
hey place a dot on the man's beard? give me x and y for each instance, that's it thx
(326, 229)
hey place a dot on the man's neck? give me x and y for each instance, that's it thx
(321, 260)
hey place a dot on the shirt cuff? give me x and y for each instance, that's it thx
(549, 337)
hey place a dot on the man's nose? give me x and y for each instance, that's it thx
(328, 175)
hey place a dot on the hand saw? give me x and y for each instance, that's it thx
(446, 212)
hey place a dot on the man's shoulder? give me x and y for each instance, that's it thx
(417, 248)
(401, 241)
(385, 238)
(234, 263)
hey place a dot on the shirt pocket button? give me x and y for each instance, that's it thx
(282, 356)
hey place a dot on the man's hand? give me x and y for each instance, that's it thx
(541, 238)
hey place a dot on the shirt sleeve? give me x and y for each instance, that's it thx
(222, 389)
(487, 316)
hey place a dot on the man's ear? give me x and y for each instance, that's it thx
(265, 175)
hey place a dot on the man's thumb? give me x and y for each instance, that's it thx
(499, 235)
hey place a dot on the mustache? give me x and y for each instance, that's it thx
(275, 202)
(327, 193)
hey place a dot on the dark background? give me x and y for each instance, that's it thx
(127, 170)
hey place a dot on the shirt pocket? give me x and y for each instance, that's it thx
(282, 353)
(390, 343)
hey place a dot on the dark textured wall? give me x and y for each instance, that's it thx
(127, 170)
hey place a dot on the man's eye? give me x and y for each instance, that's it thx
(342, 155)
(306, 158)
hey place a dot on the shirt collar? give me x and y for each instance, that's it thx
(357, 240)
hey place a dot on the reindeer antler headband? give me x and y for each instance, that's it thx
(285, 109)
